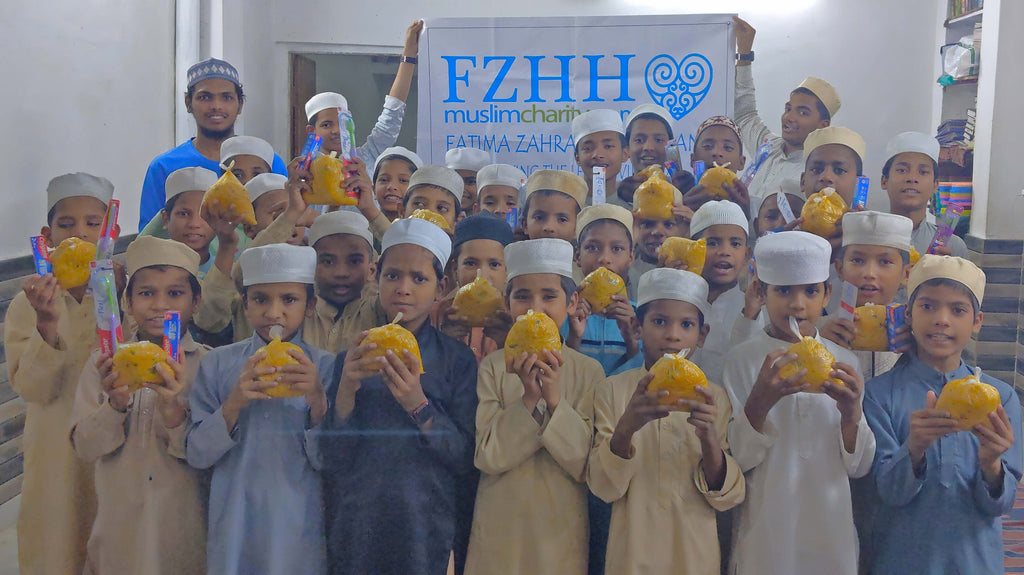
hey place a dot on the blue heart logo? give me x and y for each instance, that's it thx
(681, 86)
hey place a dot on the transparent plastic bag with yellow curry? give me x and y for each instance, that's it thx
(871, 333)
(679, 377)
(599, 286)
(432, 217)
(478, 301)
(812, 356)
(822, 211)
(71, 262)
(969, 401)
(278, 356)
(135, 364)
(691, 252)
(715, 178)
(533, 333)
(654, 198)
(328, 173)
(394, 337)
(227, 197)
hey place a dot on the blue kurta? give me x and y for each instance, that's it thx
(602, 340)
(947, 521)
(391, 489)
(266, 505)
(184, 156)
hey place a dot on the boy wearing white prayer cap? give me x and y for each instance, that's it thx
(467, 162)
(663, 512)
(534, 432)
(269, 196)
(797, 450)
(834, 158)
(400, 427)
(499, 186)
(181, 217)
(389, 123)
(48, 334)
(258, 446)
(723, 225)
(346, 303)
(911, 177)
(247, 156)
(391, 173)
(600, 140)
(875, 258)
(648, 131)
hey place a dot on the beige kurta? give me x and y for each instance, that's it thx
(221, 304)
(663, 514)
(531, 506)
(57, 499)
(330, 330)
(149, 517)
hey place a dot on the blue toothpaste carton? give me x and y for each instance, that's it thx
(895, 318)
(512, 218)
(172, 334)
(860, 198)
(310, 149)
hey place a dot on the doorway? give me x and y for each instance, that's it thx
(364, 80)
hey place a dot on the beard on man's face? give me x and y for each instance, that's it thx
(217, 135)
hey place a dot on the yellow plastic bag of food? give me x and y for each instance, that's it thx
(478, 301)
(533, 333)
(654, 198)
(432, 217)
(328, 173)
(227, 197)
(716, 177)
(277, 356)
(690, 252)
(599, 286)
(871, 333)
(969, 401)
(394, 337)
(71, 262)
(822, 211)
(915, 256)
(812, 356)
(135, 364)
(679, 376)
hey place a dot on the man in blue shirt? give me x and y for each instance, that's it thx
(214, 98)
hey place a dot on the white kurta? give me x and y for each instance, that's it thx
(663, 514)
(724, 311)
(779, 169)
(797, 518)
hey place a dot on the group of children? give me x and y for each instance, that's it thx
(461, 459)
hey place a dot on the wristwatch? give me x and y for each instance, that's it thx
(748, 57)
(422, 414)
(409, 60)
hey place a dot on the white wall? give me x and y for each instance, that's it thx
(998, 171)
(879, 54)
(89, 87)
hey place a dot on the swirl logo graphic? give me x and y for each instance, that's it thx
(678, 86)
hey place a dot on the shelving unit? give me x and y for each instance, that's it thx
(955, 99)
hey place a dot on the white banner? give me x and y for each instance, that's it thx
(511, 86)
